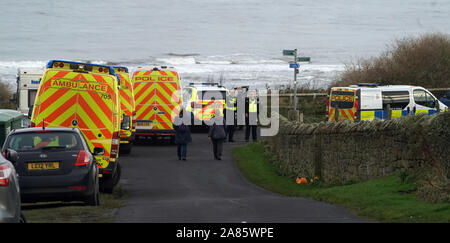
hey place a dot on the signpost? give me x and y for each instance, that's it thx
(295, 66)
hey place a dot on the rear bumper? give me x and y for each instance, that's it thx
(154, 132)
(73, 186)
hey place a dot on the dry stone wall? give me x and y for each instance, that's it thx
(345, 152)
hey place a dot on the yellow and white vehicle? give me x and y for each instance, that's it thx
(370, 101)
(202, 99)
(85, 96)
(157, 98)
(128, 116)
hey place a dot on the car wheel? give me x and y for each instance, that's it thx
(94, 199)
(110, 183)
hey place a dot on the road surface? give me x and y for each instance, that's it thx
(162, 189)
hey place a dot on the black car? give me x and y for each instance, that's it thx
(54, 164)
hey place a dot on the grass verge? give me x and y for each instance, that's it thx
(75, 212)
(382, 199)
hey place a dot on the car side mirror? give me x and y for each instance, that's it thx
(30, 112)
(98, 151)
(125, 125)
(436, 105)
(12, 155)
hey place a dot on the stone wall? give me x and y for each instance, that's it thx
(346, 152)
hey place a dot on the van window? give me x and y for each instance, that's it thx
(31, 96)
(398, 100)
(342, 99)
(421, 97)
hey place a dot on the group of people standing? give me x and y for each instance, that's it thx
(223, 127)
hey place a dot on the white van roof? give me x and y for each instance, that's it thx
(31, 71)
(382, 88)
(160, 68)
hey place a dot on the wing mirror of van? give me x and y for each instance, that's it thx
(12, 155)
(125, 125)
(436, 105)
(98, 151)
(30, 111)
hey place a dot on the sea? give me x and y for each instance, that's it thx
(234, 42)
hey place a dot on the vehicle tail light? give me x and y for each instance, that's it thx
(83, 159)
(5, 173)
(115, 145)
(32, 124)
(134, 120)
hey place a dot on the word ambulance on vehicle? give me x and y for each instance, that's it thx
(127, 107)
(370, 101)
(85, 96)
(28, 81)
(158, 101)
(202, 100)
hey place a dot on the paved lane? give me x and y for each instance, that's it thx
(160, 188)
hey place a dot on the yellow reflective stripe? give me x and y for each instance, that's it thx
(367, 115)
(396, 113)
(421, 111)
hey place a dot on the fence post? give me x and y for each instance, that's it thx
(388, 112)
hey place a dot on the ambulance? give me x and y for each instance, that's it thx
(28, 80)
(86, 96)
(157, 96)
(370, 101)
(128, 116)
(202, 99)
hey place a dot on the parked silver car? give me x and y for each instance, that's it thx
(9, 193)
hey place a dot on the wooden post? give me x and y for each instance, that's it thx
(388, 112)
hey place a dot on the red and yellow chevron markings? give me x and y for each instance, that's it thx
(83, 100)
(157, 97)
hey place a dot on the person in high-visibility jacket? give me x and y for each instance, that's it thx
(230, 114)
(251, 116)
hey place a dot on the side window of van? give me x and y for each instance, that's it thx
(398, 100)
(423, 98)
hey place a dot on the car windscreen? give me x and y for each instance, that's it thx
(342, 99)
(213, 94)
(47, 140)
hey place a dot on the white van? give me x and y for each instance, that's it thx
(370, 101)
(28, 81)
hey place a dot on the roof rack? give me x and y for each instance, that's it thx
(205, 84)
(367, 85)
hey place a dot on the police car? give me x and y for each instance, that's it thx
(202, 100)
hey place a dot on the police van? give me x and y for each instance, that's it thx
(27, 85)
(202, 100)
(157, 96)
(370, 101)
(85, 96)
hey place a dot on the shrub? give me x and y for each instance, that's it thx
(422, 61)
(5, 96)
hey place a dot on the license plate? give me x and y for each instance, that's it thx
(144, 124)
(43, 166)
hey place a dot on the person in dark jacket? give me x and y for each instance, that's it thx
(217, 134)
(182, 133)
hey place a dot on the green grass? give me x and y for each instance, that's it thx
(75, 212)
(377, 200)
